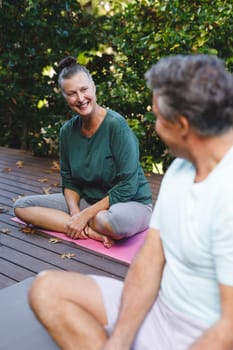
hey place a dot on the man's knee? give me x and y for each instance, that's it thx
(42, 291)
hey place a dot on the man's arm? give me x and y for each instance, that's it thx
(140, 290)
(220, 335)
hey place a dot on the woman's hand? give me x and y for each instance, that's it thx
(75, 226)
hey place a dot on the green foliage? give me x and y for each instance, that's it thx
(118, 41)
(35, 36)
(147, 30)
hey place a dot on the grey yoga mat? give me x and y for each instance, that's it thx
(19, 329)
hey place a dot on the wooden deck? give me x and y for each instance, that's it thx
(24, 255)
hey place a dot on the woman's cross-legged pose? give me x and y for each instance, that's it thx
(106, 195)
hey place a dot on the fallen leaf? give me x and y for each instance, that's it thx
(20, 164)
(54, 240)
(3, 209)
(5, 230)
(55, 167)
(45, 180)
(55, 184)
(28, 229)
(15, 198)
(67, 255)
(6, 170)
(46, 190)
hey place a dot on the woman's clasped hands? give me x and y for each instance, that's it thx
(76, 225)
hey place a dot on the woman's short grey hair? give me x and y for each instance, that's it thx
(197, 87)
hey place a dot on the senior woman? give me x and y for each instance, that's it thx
(105, 194)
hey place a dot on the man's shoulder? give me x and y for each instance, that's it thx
(178, 166)
(179, 172)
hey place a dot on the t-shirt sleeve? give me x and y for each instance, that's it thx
(126, 156)
(222, 238)
(67, 180)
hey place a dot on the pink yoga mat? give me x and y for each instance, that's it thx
(123, 250)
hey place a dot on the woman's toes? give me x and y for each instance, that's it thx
(108, 242)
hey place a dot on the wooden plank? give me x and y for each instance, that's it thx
(6, 281)
(28, 262)
(35, 186)
(35, 265)
(102, 263)
(14, 227)
(82, 257)
(13, 271)
(38, 246)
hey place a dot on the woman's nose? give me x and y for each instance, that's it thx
(78, 96)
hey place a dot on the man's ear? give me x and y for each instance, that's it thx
(184, 125)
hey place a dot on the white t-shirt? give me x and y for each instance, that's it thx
(196, 226)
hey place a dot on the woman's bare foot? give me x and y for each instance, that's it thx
(107, 241)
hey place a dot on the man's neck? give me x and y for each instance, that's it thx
(208, 153)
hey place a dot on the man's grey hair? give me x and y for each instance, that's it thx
(197, 87)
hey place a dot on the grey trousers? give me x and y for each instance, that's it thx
(126, 219)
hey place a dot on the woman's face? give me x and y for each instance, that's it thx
(80, 94)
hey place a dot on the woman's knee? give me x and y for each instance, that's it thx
(101, 224)
(127, 219)
(19, 211)
(19, 203)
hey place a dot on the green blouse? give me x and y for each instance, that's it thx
(107, 163)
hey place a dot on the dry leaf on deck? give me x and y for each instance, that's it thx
(15, 198)
(46, 190)
(5, 230)
(3, 209)
(54, 240)
(20, 164)
(28, 229)
(67, 255)
(45, 180)
(55, 167)
(6, 170)
(55, 184)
